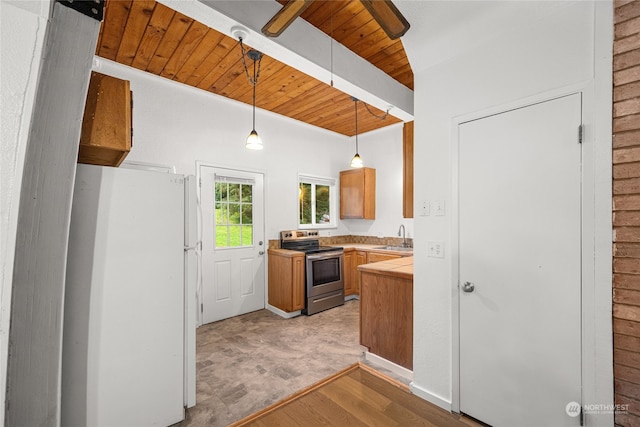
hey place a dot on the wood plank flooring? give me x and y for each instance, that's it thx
(355, 396)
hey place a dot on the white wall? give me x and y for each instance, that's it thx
(22, 27)
(178, 125)
(565, 49)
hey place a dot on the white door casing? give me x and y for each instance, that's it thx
(519, 198)
(233, 274)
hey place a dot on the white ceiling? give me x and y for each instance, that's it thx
(443, 29)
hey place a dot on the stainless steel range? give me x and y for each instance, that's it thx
(324, 272)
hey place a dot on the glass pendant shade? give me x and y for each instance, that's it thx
(356, 162)
(253, 141)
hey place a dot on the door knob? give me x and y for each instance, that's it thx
(261, 252)
(468, 287)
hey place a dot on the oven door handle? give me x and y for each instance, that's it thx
(324, 255)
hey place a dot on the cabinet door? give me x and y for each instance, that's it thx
(377, 256)
(361, 258)
(349, 275)
(358, 193)
(297, 289)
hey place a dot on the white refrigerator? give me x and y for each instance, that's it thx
(129, 317)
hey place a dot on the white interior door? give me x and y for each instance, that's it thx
(233, 244)
(519, 247)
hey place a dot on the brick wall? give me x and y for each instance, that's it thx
(626, 209)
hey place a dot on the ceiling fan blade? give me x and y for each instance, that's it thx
(388, 16)
(285, 17)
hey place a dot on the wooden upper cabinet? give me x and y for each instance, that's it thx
(106, 126)
(407, 170)
(358, 193)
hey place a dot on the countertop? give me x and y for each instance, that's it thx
(398, 267)
(376, 248)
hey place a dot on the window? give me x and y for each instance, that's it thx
(233, 212)
(316, 202)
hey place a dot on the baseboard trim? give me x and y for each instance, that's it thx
(429, 397)
(401, 371)
(283, 313)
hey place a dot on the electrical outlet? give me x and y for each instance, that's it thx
(424, 208)
(435, 249)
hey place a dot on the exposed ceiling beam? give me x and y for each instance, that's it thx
(304, 47)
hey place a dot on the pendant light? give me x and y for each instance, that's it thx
(254, 142)
(356, 162)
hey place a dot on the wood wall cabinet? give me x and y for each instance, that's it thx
(106, 126)
(407, 170)
(286, 279)
(358, 193)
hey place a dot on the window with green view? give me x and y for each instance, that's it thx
(316, 202)
(234, 214)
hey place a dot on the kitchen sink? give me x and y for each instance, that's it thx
(397, 248)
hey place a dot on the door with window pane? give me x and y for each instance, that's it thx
(233, 246)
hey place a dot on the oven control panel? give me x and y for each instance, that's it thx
(299, 234)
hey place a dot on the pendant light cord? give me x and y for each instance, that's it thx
(254, 94)
(356, 106)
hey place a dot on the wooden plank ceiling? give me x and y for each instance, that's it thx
(149, 36)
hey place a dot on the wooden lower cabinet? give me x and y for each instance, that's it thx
(286, 279)
(352, 259)
(386, 317)
(377, 257)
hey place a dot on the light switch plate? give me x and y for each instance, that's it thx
(438, 207)
(435, 249)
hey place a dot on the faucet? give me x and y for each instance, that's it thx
(404, 239)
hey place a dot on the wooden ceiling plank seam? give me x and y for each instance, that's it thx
(189, 42)
(391, 62)
(390, 50)
(334, 26)
(386, 50)
(280, 78)
(219, 52)
(323, 108)
(308, 105)
(294, 103)
(270, 68)
(156, 29)
(324, 13)
(361, 33)
(112, 34)
(199, 55)
(375, 42)
(177, 29)
(230, 61)
(357, 21)
(240, 89)
(141, 12)
(291, 94)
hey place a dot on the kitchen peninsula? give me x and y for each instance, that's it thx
(386, 309)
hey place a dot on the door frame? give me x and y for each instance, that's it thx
(594, 359)
(199, 165)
